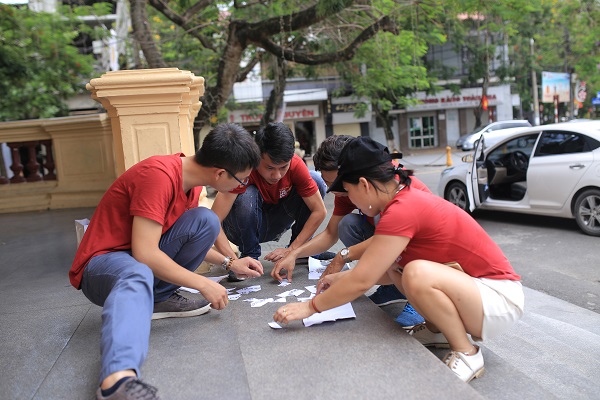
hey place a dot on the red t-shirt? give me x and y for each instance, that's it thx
(297, 176)
(343, 206)
(441, 232)
(152, 188)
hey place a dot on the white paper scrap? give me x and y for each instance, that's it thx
(217, 278)
(274, 325)
(249, 289)
(234, 296)
(312, 288)
(303, 299)
(292, 292)
(284, 282)
(316, 268)
(342, 312)
(261, 302)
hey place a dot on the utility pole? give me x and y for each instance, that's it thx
(536, 103)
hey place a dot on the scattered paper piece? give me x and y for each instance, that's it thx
(260, 302)
(342, 312)
(312, 288)
(292, 292)
(284, 282)
(303, 299)
(249, 289)
(234, 296)
(274, 325)
(316, 267)
(251, 299)
(217, 278)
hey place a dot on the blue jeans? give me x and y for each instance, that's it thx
(127, 289)
(252, 222)
(354, 229)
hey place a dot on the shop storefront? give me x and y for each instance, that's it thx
(305, 121)
(440, 119)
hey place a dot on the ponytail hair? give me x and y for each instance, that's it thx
(403, 174)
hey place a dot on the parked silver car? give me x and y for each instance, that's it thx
(547, 170)
(468, 141)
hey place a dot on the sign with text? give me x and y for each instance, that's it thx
(294, 112)
(445, 99)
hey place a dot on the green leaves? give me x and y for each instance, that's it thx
(39, 66)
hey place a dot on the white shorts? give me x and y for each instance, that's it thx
(503, 303)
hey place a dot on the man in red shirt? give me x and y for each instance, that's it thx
(145, 240)
(281, 194)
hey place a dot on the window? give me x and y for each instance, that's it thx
(522, 143)
(556, 142)
(421, 133)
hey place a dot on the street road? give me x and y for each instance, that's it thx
(551, 254)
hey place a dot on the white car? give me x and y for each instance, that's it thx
(469, 141)
(549, 170)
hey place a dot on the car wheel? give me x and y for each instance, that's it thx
(456, 193)
(587, 212)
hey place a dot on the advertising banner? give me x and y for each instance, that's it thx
(555, 83)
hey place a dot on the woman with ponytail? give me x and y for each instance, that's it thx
(448, 267)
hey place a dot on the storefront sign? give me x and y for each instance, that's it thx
(467, 98)
(291, 113)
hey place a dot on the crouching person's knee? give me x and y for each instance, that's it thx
(415, 277)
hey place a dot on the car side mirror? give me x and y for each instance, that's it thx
(468, 158)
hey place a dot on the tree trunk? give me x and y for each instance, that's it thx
(383, 117)
(143, 35)
(275, 102)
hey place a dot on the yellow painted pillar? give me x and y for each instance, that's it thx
(448, 156)
(152, 111)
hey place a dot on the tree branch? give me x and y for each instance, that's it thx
(183, 21)
(303, 57)
(243, 73)
(292, 22)
(193, 10)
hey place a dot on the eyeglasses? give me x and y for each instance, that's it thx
(243, 183)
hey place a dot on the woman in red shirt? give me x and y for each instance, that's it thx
(450, 270)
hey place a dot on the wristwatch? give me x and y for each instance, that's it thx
(226, 264)
(345, 253)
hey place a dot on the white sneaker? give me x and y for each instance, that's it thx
(428, 338)
(464, 366)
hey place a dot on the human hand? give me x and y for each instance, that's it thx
(335, 266)
(326, 281)
(247, 267)
(277, 254)
(293, 311)
(215, 294)
(286, 263)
